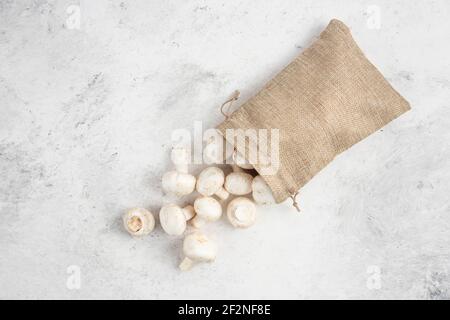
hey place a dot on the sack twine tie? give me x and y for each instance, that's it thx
(230, 101)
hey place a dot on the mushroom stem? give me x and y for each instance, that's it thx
(222, 193)
(197, 222)
(236, 168)
(181, 167)
(188, 212)
(186, 264)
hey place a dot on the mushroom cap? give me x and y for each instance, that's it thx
(198, 247)
(138, 221)
(210, 180)
(241, 212)
(172, 219)
(178, 183)
(240, 161)
(208, 208)
(239, 183)
(262, 194)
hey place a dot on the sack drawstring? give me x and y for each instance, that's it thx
(294, 200)
(230, 101)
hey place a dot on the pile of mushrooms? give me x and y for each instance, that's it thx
(214, 190)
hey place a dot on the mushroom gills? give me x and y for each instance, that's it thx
(138, 221)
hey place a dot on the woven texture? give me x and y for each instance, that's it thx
(326, 100)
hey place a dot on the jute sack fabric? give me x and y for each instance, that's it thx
(326, 100)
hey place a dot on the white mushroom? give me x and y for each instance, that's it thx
(262, 194)
(178, 182)
(197, 248)
(238, 182)
(241, 212)
(240, 161)
(207, 209)
(173, 218)
(139, 221)
(210, 181)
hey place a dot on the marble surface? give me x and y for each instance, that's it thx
(91, 91)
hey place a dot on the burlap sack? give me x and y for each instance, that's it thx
(327, 99)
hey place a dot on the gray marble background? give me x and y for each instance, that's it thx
(87, 109)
